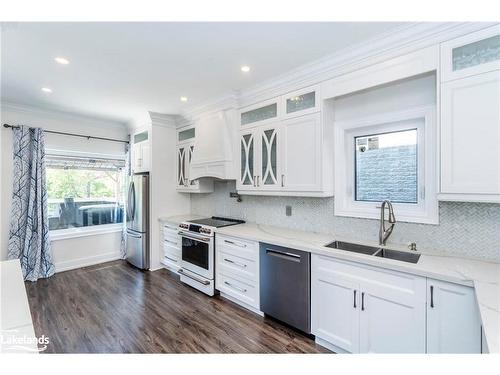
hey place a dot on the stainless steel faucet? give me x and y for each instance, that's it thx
(384, 233)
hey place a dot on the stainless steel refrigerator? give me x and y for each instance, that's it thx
(138, 252)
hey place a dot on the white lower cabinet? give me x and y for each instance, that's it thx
(453, 323)
(362, 309)
(237, 270)
(171, 248)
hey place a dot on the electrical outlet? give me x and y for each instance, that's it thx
(288, 210)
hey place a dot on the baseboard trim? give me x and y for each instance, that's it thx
(330, 346)
(88, 261)
(242, 304)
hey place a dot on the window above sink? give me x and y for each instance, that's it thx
(387, 156)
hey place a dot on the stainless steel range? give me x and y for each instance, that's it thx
(198, 251)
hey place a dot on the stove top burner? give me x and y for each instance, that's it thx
(217, 222)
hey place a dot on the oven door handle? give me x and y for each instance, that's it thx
(194, 237)
(204, 282)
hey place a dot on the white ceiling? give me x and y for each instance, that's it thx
(121, 70)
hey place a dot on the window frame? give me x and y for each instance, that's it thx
(92, 230)
(426, 209)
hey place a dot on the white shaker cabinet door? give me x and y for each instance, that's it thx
(334, 306)
(453, 323)
(392, 317)
(301, 150)
(470, 136)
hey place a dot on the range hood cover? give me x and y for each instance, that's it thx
(214, 146)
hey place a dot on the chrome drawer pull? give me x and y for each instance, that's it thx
(232, 261)
(172, 242)
(172, 259)
(204, 282)
(235, 244)
(235, 287)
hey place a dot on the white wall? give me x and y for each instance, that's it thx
(74, 252)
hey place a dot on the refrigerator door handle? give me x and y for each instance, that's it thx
(133, 235)
(129, 216)
(133, 200)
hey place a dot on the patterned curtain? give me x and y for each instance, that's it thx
(128, 172)
(29, 227)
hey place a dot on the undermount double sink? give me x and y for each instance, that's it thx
(375, 251)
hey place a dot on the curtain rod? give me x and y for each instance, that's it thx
(72, 135)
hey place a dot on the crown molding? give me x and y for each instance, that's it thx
(221, 103)
(402, 40)
(58, 114)
(399, 41)
(163, 119)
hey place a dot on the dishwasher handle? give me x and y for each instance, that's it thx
(283, 255)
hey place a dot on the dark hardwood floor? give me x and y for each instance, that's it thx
(115, 308)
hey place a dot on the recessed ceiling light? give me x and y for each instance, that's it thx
(184, 99)
(47, 90)
(62, 60)
(245, 68)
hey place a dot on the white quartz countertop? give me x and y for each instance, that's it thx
(483, 276)
(177, 219)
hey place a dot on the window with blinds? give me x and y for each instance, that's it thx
(84, 191)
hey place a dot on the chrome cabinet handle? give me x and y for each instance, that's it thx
(172, 259)
(235, 287)
(234, 243)
(284, 255)
(354, 298)
(172, 242)
(193, 237)
(432, 296)
(282, 180)
(254, 181)
(238, 264)
(204, 282)
(363, 301)
(258, 181)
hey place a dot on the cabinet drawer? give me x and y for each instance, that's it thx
(172, 259)
(242, 290)
(172, 250)
(243, 267)
(237, 246)
(172, 241)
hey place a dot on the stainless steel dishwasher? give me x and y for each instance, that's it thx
(285, 278)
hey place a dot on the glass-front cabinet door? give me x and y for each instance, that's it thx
(471, 54)
(248, 171)
(181, 166)
(301, 102)
(260, 113)
(191, 183)
(269, 173)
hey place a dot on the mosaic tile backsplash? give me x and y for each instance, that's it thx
(465, 229)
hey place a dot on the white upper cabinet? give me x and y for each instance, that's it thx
(471, 54)
(301, 140)
(286, 151)
(470, 138)
(259, 158)
(185, 150)
(141, 152)
(453, 323)
(269, 176)
(301, 102)
(260, 113)
(248, 161)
